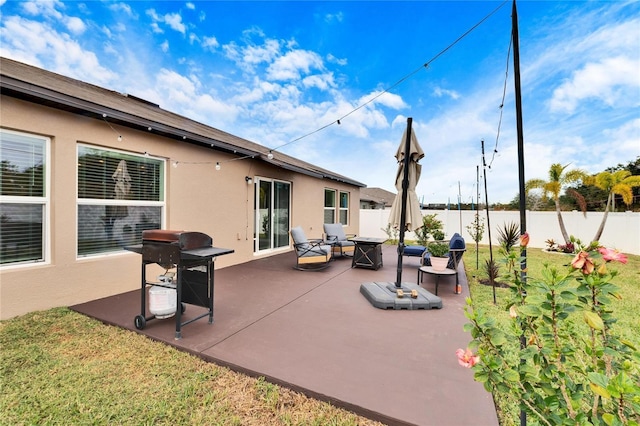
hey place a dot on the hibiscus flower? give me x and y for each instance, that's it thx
(612, 255)
(584, 262)
(467, 358)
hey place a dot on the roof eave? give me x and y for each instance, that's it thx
(19, 89)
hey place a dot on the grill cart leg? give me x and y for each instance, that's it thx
(179, 304)
(140, 321)
(210, 285)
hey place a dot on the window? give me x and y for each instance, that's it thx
(333, 210)
(343, 211)
(24, 198)
(329, 206)
(119, 196)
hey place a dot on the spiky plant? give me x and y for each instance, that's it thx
(508, 236)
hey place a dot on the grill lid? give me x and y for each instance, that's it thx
(184, 239)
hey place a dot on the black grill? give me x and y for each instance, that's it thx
(192, 255)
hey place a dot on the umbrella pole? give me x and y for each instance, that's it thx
(403, 210)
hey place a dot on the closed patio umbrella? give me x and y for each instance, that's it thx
(405, 211)
(413, 217)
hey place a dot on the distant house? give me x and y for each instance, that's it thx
(376, 198)
(86, 169)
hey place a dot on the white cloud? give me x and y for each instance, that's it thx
(123, 7)
(156, 28)
(184, 94)
(174, 20)
(265, 53)
(210, 43)
(609, 81)
(440, 92)
(384, 98)
(165, 46)
(190, 5)
(292, 64)
(334, 17)
(320, 81)
(75, 25)
(38, 44)
(332, 59)
(44, 8)
(153, 15)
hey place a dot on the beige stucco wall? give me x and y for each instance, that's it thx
(199, 198)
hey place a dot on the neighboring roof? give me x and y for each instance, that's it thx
(36, 85)
(377, 195)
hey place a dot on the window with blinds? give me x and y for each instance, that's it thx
(336, 204)
(343, 211)
(329, 205)
(119, 196)
(24, 199)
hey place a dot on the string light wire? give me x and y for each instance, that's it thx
(504, 95)
(399, 82)
(104, 117)
(359, 107)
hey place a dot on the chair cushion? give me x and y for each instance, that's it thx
(457, 242)
(298, 235)
(416, 251)
(345, 243)
(335, 231)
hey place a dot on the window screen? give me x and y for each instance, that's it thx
(119, 196)
(24, 202)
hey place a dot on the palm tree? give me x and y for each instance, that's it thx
(559, 180)
(616, 183)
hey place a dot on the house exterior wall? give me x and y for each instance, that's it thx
(219, 203)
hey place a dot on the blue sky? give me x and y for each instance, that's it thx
(276, 72)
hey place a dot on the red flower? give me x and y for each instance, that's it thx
(584, 262)
(524, 239)
(612, 255)
(467, 358)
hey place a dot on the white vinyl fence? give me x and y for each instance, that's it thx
(622, 230)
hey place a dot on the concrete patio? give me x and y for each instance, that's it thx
(315, 333)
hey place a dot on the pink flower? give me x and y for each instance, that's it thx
(467, 358)
(524, 239)
(612, 255)
(584, 262)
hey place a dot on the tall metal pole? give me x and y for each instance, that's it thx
(523, 198)
(403, 210)
(518, 96)
(486, 201)
(460, 206)
(477, 215)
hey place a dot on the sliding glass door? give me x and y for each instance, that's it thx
(273, 204)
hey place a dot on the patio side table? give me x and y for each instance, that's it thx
(437, 273)
(367, 253)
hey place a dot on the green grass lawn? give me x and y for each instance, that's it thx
(625, 309)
